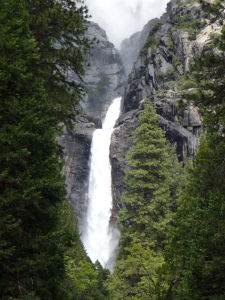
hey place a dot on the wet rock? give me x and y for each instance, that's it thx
(121, 141)
(77, 147)
(103, 80)
(105, 74)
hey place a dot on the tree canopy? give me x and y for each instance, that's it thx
(195, 255)
(148, 202)
(41, 256)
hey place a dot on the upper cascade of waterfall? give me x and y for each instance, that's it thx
(112, 114)
(99, 237)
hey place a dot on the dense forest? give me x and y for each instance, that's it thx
(41, 256)
(172, 221)
(172, 239)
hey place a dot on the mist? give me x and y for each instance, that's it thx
(122, 18)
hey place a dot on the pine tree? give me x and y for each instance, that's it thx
(195, 255)
(41, 256)
(59, 29)
(82, 279)
(147, 181)
(148, 205)
(32, 189)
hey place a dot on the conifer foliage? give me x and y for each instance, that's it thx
(147, 181)
(59, 30)
(30, 180)
(195, 255)
(195, 259)
(41, 256)
(148, 204)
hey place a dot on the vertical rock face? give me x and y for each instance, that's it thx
(105, 74)
(77, 146)
(157, 58)
(103, 80)
(131, 47)
(173, 41)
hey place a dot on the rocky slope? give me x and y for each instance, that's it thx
(173, 41)
(104, 76)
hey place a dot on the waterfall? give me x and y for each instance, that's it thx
(99, 237)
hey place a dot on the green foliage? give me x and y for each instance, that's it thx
(194, 267)
(148, 207)
(213, 10)
(31, 186)
(189, 24)
(160, 63)
(186, 83)
(170, 75)
(136, 275)
(41, 256)
(148, 176)
(176, 62)
(177, 256)
(207, 74)
(83, 281)
(195, 256)
(58, 28)
(40, 247)
(151, 40)
(170, 44)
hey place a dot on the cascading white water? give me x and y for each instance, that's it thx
(99, 237)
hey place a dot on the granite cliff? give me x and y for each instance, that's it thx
(104, 77)
(172, 42)
(156, 59)
(102, 82)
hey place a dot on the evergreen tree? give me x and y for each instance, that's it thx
(31, 186)
(195, 255)
(148, 205)
(40, 249)
(41, 256)
(208, 75)
(59, 28)
(82, 279)
(148, 183)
